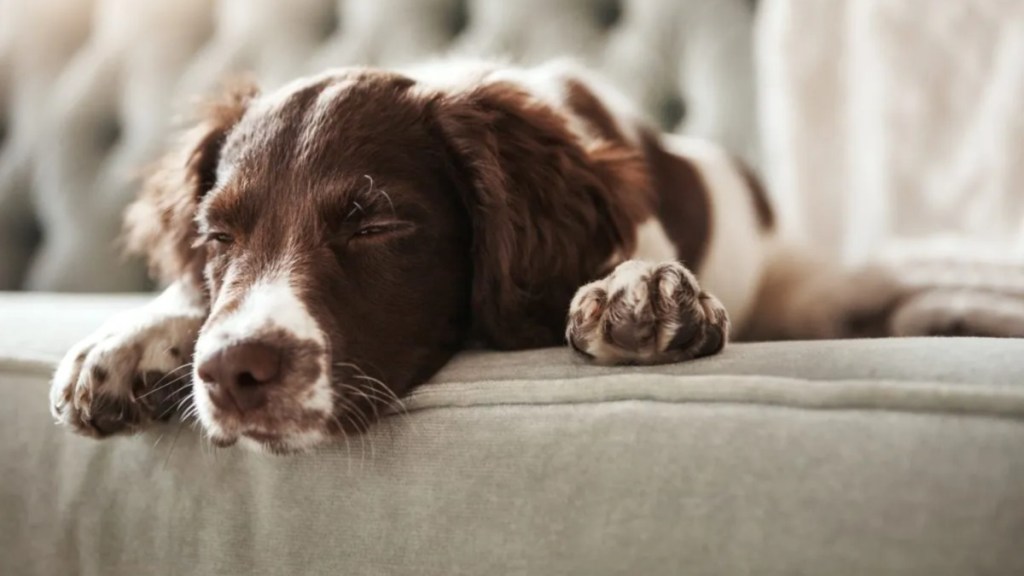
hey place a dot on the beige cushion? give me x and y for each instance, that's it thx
(867, 457)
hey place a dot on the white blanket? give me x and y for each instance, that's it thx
(891, 124)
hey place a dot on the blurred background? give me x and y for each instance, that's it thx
(880, 126)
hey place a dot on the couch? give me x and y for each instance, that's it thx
(901, 456)
(843, 458)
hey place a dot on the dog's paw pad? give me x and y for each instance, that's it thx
(646, 313)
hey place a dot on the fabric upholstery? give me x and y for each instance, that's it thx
(89, 89)
(871, 457)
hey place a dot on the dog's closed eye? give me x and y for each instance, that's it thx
(218, 238)
(381, 230)
(213, 239)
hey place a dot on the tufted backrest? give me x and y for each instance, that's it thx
(90, 89)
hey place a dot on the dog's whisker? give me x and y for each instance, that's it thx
(174, 443)
(358, 420)
(192, 412)
(165, 385)
(177, 405)
(376, 392)
(384, 389)
(348, 448)
(388, 394)
(371, 400)
(165, 376)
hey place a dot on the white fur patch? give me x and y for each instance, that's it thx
(652, 243)
(268, 304)
(128, 346)
(547, 84)
(449, 74)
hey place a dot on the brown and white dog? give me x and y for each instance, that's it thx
(330, 245)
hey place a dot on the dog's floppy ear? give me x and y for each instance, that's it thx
(546, 213)
(160, 224)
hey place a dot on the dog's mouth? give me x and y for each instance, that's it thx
(263, 437)
(280, 407)
(286, 424)
(274, 443)
(279, 425)
(269, 441)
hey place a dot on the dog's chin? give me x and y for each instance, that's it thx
(281, 429)
(269, 443)
(266, 439)
(280, 446)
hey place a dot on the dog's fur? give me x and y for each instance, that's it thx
(332, 244)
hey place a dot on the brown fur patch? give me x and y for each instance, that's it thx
(586, 105)
(536, 198)
(683, 206)
(765, 214)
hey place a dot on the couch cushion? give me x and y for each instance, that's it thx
(863, 457)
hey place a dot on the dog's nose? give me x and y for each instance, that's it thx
(239, 375)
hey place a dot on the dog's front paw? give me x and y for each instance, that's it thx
(132, 371)
(646, 313)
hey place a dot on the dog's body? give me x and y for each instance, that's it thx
(331, 245)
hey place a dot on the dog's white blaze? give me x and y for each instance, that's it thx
(271, 303)
(224, 173)
(735, 257)
(325, 101)
(323, 110)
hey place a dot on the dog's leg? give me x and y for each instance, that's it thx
(802, 297)
(133, 370)
(646, 313)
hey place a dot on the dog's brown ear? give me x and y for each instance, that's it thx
(547, 213)
(160, 224)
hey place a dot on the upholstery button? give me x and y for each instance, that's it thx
(330, 23)
(671, 111)
(33, 232)
(108, 134)
(458, 18)
(608, 13)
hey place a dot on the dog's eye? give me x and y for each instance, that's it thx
(219, 238)
(378, 229)
(371, 230)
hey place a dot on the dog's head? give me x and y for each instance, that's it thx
(350, 231)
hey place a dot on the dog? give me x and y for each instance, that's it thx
(330, 245)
